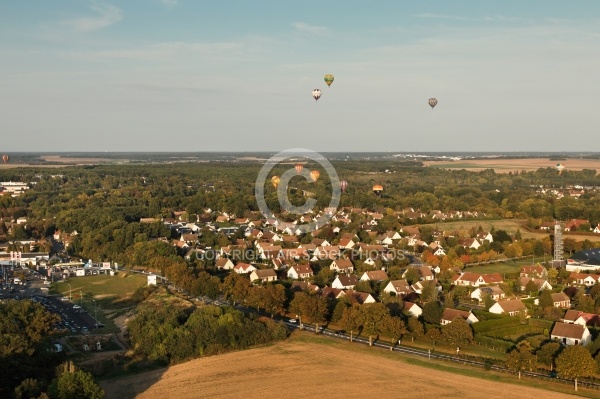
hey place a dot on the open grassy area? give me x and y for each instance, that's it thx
(310, 363)
(503, 267)
(100, 285)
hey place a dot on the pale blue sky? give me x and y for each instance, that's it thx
(183, 75)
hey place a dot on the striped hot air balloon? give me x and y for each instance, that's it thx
(343, 185)
(5, 158)
(316, 93)
(432, 102)
(560, 167)
(328, 79)
(299, 168)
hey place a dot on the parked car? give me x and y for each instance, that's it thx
(293, 321)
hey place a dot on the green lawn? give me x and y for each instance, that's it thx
(500, 267)
(100, 285)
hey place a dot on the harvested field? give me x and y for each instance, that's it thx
(306, 366)
(501, 165)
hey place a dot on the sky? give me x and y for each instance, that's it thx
(193, 75)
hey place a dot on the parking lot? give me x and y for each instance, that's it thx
(31, 285)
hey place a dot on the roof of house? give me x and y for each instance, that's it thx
(264, 273)
(347, 281)
(343, 263)
(359, 296)
(560, 297)
(451, 314)
(512, 305)
(377, 275)
(302, 269)
(566, 330)
(333, 293)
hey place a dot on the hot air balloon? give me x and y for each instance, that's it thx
(299, 168)
(316, 93)
(275, 180)
(432, 102)
(314, 175)
(560, 167)
(328, 79)
(378, 189)
(5, 158)
(344, 185)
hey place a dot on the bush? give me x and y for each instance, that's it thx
(496, 324)
(496, 343)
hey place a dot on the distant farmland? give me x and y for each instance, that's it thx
(502, 165)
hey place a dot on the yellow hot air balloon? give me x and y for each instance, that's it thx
(328, 79)
(275, 180)
(314, 175)
(377, 189)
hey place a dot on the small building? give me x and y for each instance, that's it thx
(413, 309)
(344, 282)
(512, 307)
(495, 292)
(152, 279)
(570, 334)
(263, 275)
(561, 300)
(450, 315)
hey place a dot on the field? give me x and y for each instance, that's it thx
(103, 285)
(509, 225)
(307, 366)
(502, 165)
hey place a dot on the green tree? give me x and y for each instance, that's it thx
(316, 309)
(372, 317)
(545, 299)
(412, 275)
(394, 328)
(575, 362)
(531, 288)
(458, 332)
(415, 328)
(433, 335)
(432, 312)
(72, 383)
(429, 292)
(547, 353)
(521, 358)
(351, 319)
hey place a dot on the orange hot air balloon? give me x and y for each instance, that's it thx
(5, 158)
(314, 175)
(299, 168)
(344, 185)
(378, 189)
(275, 180)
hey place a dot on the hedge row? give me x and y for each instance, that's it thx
(489, 325)
(495, 343)
(515, 330)
(547, 324)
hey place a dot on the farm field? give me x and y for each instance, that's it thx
(306, 366)
(501, 165)
(509, 225)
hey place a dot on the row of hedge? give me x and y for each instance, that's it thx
(495, 324)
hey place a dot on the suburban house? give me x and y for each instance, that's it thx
(298, 272)
(333, 293)
(470, 243)
(450, 315)
(398, 287)
(342, 266)
(424, 272)
(376, 275)
(540, 283)
(485, 237)
(561, 300)
(304, 286)
(511, 307)
(583, 279)
(224, 264)
(344, 282)
(575, 224)
(534, 271)
(264, 275)
(582, 318)
(413, 309)
(243, 268)
(570, 334)
(419, 285)
(476, 279)
(360, 297)
(495, 292)
(346, 243)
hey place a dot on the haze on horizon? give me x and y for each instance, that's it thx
(182, 75)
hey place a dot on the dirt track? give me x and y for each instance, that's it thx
(308, 370)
